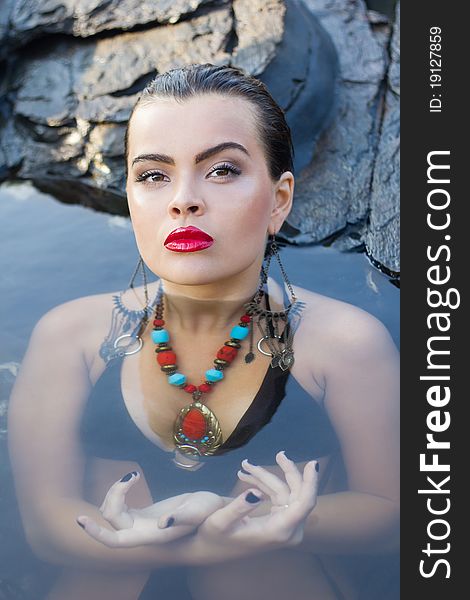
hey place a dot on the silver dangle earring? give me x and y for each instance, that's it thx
(127, 326)
(277, 328)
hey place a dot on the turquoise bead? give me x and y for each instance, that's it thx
(214, 375)
(177, 379)
(239, 332)
(159, 336)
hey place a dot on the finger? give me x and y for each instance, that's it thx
(130, 538)
(114, 508)
(117, 492)
(291, 473)
(292, 519)
(100, 534)
(193, 511)
(266, 478)
(232, 513)
(253, 481)
(309, 490)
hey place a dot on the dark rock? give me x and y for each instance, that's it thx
(108, 108)
(361, 58)
(394, 71)
(73, 99)
(116, 62)
(67, 99)
(259, 27)
(11, 148)
(45, 90)
(383, 235)
(83, 18)
(6, 8)
(308, 62)
(334, 189)
(349, 192)
(72, 83)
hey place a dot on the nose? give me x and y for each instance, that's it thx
(185, 203)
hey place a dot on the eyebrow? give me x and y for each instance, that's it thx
(164, 158)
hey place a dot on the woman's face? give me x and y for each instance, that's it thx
(200, 195)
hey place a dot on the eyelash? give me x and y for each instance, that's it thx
(223, 167)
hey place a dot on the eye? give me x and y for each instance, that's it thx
(224, 171)
(150, 177)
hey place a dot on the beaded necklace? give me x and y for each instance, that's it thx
(197, 431)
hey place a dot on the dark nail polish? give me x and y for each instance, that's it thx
(126, 477)
(170, 522)
(317, 467)
(134, 473)
(81, 525)
(251, 498)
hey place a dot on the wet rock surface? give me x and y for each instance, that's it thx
(349, 192)
(73, 70)
(82, 18)
(383, 234)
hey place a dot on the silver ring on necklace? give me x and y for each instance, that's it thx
(267, 337)
(122, 348)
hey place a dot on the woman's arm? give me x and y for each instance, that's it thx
(361, 372)
(48, 465)
(362, 399)
(352, 523)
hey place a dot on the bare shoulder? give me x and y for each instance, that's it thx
(342, 331)
(78, 316)
(77, 326)
(333, 318)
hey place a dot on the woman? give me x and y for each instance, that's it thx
(209, 182)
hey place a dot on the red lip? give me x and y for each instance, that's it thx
(188, 239)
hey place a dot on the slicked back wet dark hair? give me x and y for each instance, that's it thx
(198, 79)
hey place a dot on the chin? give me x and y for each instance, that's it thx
(200, 268)
(192, 274)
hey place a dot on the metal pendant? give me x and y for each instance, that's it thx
(186, 462)
(279, 358)
(197, 431)
(286, 360)
(122, 350)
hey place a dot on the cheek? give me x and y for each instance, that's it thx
(144, 224)
(249, 213)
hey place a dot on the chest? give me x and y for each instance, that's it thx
(154, 404)
(117, 423)
(245, 398)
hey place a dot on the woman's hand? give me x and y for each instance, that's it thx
(231, 527)
(149, 525)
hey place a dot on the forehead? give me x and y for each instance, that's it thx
(169, 125)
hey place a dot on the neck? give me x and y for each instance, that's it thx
(211, 307)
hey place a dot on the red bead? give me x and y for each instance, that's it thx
(190, 388)
(166, 358)
(227, 353)
(158, 323)
(194, 424)
(204, 388)
(245, 319)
